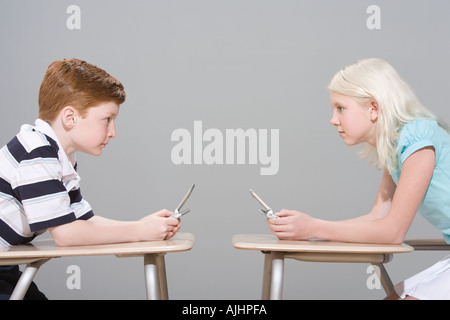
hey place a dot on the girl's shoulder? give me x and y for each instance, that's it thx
(420, 129)
(422, 133)
(420, 125)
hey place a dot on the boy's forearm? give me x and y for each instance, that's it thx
(91, 232)
(99, 219)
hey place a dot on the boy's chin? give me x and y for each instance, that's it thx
(95, 153)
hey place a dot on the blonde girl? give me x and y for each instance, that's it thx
(372, 105)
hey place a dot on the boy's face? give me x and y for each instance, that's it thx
(93, 131)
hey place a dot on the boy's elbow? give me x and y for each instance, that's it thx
(60, 237)
(60, 243)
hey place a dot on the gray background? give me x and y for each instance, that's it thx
(232, 64)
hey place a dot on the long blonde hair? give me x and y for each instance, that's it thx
(374, 78)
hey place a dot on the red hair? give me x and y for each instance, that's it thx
(79, 84)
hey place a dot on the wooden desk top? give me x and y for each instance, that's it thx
(269, 242)
(48, 248)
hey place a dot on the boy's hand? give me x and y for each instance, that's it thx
(158, 226)
(291, 225)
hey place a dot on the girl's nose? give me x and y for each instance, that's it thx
(334, 120)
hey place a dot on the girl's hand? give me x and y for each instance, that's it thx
(291, 225)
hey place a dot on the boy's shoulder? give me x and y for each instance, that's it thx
(30, 144)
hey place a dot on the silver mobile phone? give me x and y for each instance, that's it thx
(267, 211)
(178, 213)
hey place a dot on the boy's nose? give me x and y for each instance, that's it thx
(112, 129)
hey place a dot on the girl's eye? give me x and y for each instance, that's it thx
(340, 109)
(107, 120)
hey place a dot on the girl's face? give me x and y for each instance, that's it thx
(355, 122)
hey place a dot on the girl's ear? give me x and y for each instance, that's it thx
(69, 117)
(373, 110)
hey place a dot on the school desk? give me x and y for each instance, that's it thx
(39, 252)
(428, 244)
(314, 251)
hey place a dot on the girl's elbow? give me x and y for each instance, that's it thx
(395, 237)
(397, 241)
(391, 231)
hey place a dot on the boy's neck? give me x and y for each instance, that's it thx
(63, 137)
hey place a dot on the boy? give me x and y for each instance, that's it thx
(39, 185)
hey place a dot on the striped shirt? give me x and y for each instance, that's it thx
(39, 186)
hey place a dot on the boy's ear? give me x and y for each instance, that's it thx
(69, 117)
(373, 110)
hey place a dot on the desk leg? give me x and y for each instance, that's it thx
(25, 279)
(385, 280)
(267, 276)
(277, 276)
(151, 276)
(162, 276)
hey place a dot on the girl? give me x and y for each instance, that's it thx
(373, 105)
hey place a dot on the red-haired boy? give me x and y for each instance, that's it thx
(39, 184)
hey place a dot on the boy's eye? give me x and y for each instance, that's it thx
(107, 120)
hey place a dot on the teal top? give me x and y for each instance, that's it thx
(418, 134)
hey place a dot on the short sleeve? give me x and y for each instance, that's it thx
(81, 208)
(38, 185)
(417, 135)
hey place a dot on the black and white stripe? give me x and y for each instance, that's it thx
(39, 187)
